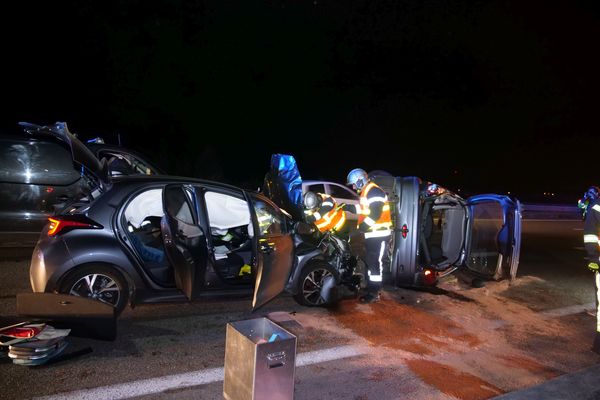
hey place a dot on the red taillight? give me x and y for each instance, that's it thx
(404, 231)
(61, 224)
(429, 277)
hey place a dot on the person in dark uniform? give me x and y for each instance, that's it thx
(590, 205)
(322, 210)
(375, 222)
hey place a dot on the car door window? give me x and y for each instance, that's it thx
(340, 192)
(178, 205)
(316, 188)
(36, 163)
(270, 220)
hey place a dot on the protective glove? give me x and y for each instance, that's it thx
(593, 267)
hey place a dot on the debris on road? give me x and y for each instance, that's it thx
(33, 344)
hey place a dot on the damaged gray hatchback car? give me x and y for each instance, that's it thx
(147, 239)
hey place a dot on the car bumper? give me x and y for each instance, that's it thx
(49, 261)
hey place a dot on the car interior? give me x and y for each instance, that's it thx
(489, 245)
(442, 235)
(143, 215)
(230, 237)
(231, 233)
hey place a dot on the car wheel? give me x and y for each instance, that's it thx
(316, 286)
(98, 282)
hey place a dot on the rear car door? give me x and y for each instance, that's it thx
(493, 236)
(274, 260)
(184, 239)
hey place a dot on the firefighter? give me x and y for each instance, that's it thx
(374, 221)
(590, 205)
(323, 211)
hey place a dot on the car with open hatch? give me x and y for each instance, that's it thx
(154, 238)
(38, 177)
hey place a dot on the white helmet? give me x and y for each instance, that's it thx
(357, 177)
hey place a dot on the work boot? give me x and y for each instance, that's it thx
(370, 298)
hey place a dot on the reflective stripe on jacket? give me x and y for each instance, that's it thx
(374, 216)
(591, 230)
(328, 216)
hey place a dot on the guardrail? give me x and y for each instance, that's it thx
(547, 211)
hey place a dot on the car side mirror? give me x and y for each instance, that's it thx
(303, 228)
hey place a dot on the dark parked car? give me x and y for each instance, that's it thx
(143, 239)
(38, 177)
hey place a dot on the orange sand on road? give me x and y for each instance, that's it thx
(473, 344)
(402, 327)
(450, 381)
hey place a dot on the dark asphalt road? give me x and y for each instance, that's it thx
(161, 340)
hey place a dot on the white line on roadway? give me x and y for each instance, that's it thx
(561, 312)
(550, 220)
(196, 378)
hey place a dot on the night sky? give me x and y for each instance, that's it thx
(486, 96)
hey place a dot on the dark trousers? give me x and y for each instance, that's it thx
(375, 255)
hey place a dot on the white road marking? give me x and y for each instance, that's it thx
(189, 379)
(561, 312)
(550, 220)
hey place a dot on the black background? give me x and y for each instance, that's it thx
(482, 96)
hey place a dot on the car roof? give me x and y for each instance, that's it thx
(311, 182)
(175, 178)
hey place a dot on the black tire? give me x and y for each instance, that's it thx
(108, 285)
(310, 283)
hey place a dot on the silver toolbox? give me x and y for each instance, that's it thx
(260, 361)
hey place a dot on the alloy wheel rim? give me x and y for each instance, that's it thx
(312, 285)
(98, 287)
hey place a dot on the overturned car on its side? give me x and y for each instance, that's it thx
(437, 232)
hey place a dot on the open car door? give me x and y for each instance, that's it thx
(274, 258)
(184, 240)
(493, 236)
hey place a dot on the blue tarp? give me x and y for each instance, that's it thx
(285, 184)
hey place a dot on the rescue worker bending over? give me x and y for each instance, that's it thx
(323, 211)
(375, 222)
(590, 204)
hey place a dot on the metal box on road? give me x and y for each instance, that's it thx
(260, 361)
